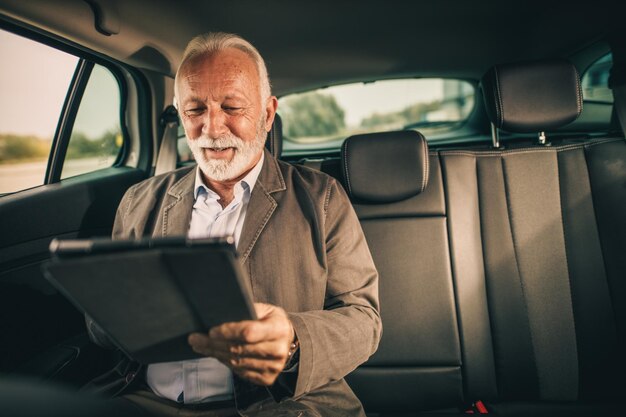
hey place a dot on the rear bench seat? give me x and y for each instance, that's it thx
(504, 279)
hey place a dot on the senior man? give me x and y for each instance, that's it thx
(313, 281)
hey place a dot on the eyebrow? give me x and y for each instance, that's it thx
(193, 99)
(197, 99)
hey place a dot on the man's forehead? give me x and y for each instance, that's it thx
(197, 79)
(197, 88)
(228, 64)
(230, 73)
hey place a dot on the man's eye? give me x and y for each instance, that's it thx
(194, 112)
(231, 108)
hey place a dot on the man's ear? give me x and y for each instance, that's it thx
(270, 112)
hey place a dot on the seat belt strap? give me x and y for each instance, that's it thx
(168, 152)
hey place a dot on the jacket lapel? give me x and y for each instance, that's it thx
(178, 207)
(261, 205)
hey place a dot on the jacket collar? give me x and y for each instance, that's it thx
(261, 205)
(177, 207)
(179, 204)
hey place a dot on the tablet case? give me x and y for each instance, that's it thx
(149, 295)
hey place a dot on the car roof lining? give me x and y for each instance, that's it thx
(307, 45)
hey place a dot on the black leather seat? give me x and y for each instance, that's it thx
(537, 239)
(503, 279)
(274, 142)
(418, 363)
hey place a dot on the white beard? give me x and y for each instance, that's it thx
(224, 169)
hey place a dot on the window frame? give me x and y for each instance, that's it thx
(297, 154)
(87, 59)
(65, 127)
(585, 73)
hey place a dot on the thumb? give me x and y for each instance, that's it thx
(262, 310)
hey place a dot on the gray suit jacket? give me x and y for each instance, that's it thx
(303, 249)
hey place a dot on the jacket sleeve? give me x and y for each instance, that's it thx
(334, 341)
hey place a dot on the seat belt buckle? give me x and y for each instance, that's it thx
(478, 407)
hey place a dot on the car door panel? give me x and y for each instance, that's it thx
(33, 315)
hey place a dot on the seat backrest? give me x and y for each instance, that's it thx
(418, 363)
(504, 278)
(274, 142)
(538, 236)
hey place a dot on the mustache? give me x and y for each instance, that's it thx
(205, 141)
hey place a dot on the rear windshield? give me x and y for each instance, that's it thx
(320, 120)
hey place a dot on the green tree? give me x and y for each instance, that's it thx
(410, 114)
(82, 146)
(312, 114)
(18, 147)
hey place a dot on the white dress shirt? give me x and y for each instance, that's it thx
(206, 379)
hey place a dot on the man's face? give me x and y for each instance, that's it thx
(221, 110)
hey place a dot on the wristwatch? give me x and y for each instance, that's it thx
(294, 353)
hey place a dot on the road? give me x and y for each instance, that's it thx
(16, 177)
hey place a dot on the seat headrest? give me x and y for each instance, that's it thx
(274, 142)
(385, 167)
(532, 96)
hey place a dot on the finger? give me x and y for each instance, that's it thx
(258, 378)
(223, 350)
(203, 341)
(262, 309)
(200, 343)
(251, 331)
(204, 345)
(277, 350)
(261, 366)
(245, 332)
(242, 364)
(232, 332)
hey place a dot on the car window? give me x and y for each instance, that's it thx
(30, 106)
(96, 138)
(595, 81)
(323, 118)
(36, 107)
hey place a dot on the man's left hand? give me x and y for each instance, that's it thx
(256, 350)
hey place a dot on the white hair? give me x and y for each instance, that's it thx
(212, 42)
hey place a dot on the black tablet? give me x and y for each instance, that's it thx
(148, 295)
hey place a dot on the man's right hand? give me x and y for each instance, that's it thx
(256, 350)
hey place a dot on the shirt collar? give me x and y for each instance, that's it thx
(247, 182)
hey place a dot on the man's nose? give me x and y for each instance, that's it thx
(214, 123)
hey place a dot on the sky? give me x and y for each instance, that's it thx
(34, 80)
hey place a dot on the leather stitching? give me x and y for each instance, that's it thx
(345, 166)
(425, 168)
(327, 199)
(269, 213)
(166, 211)
(499, 106)
(579, 99)
(602, 141)
(533, 150)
